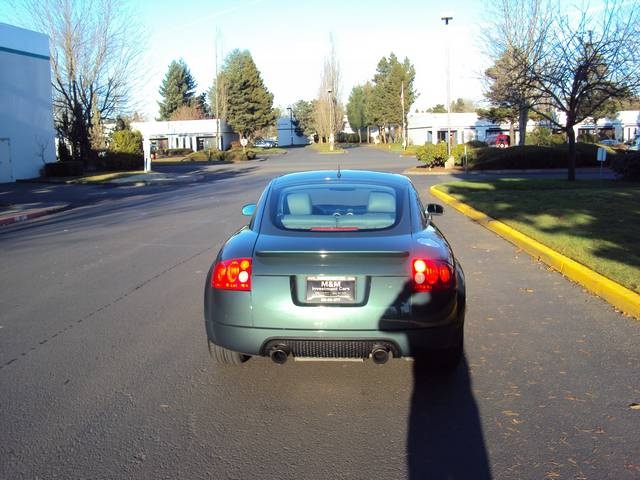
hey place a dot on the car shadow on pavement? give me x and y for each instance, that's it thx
(445, 439)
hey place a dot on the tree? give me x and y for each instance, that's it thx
(392, 78)
(518, 29)
(303, 113)
(94, 57)
(177, 89)
(191, 111)
(438, 108)
(356, 110)
(584, 62)
(328, 113)
(463, 105)
(249, 105)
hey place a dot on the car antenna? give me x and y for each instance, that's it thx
(339, 174)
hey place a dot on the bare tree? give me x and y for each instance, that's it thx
(328, 112)
(588, 59)
(94, 52)
(518, 29)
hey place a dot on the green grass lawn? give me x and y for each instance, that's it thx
(596, 223)
(325, 148)
(396, 148)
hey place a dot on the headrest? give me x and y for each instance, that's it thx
(381, 202)
(299, 204)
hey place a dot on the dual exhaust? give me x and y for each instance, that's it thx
(280, 354)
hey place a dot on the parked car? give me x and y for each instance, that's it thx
(500, 140)
(336, 265)
(263, 143)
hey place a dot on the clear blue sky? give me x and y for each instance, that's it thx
(289, 40)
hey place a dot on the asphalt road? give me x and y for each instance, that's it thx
(104, 370)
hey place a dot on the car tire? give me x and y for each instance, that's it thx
(223, 356)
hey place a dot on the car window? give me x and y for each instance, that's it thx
(344, 207)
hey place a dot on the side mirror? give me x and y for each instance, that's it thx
(434, 209)
(249, 209)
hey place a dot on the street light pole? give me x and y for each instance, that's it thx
(331, 138)
(447, 19)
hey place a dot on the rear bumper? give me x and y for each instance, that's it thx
(406, 343)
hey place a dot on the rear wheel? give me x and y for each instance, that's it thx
(222, 356)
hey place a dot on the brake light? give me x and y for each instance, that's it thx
(431, 275)
(232, 274)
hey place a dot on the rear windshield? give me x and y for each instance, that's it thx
(332, 208)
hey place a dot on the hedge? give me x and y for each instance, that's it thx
(627, 166)
(63, 169)
(530, 156)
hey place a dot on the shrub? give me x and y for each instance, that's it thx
(433, 155)
(121, 161)
(126, 141)
(209, 154)
(543, 136)
(67, 168)
(476, 143)
(587, 138)
(627, 166)
(177, 152)
(237, 155)
(530, 156)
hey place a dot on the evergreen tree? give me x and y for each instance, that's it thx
(304, 121)
(177, 89)
(249, 103)
(356, 110)
(385, 108)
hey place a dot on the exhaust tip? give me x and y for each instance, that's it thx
(279, 354)
(380, 355)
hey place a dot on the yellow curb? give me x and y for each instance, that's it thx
(620, 297)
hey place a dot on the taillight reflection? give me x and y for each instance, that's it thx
(431, 275)
(232, 274)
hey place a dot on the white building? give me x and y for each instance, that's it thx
(287, 134)
(193, 134)
(432, 127)
(27, 136)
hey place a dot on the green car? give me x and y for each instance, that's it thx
(336, 265)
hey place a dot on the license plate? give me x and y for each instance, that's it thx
(331, 290)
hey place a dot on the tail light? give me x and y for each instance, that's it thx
(232, 274)
(431, 275)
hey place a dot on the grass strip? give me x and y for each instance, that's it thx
(596, 223)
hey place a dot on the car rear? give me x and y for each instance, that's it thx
(339, 271)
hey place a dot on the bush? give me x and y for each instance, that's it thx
(627, 166)
(177, 152)
(126, 141)
(433, 155)
(543, 136)
(209, 154)
(237, 155)
(67, 168)
(476, 144)
(530, 156)
(121, 161)
(587, 138)
(342, 137)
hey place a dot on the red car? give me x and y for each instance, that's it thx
(500, 140)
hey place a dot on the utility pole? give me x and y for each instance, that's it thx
(447, 19)
(331, 137)
(404, 131)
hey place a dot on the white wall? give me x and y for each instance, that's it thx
(26, 114)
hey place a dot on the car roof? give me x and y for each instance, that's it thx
(340, 176)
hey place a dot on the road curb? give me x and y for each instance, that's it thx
(617, 295)
(30, 215)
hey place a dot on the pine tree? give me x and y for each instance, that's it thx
(249, 104)
(177, 89)
(356, 110)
